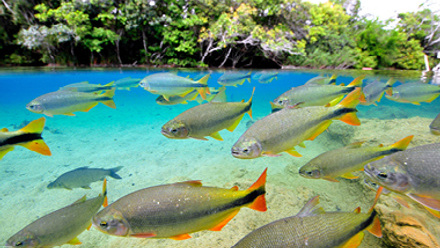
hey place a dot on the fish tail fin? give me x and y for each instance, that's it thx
(333, 79)
(204, 90)
(38, 145)
(249, 102)
(3, 152)
(403, 143)
(259, 203)
(352, 99)
(104, 193)
(113, 172)
(350, 102)
(108, 95)
(357, 81)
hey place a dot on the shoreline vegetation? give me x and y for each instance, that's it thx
(215, 34)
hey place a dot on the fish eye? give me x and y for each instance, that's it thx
(174, 130)
(245, 150)
(382, 175)
(103, 224)
(280, 101)
(32, 107)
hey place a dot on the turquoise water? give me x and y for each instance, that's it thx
(129, 136)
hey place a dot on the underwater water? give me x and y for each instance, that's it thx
(130, 136)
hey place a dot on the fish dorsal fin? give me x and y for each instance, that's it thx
(403, 143)
(234, 188)
(310, 207)
(194, 183)
(4, 130)
(349, 175)
(355, 145)
(426, 201)
(82, 199)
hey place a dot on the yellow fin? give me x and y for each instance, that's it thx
(225, 221)
(216, 136)
(85, 110)
(35, 126)
(109, 93)
(335, 101)
(302, 145)
(436, 213)
(352, 99)
(233, 126)
(375, 228)
(355, 241)
(349, 176)
(426, 201)
(357, 81)
(3, 152)
(74, 241)
(403, 143)
(4, 130)
(294, 153)
(320, 129)
(432, 98)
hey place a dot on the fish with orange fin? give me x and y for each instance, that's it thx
(207, 120)
(176, 210)
(414, 92)
(283, 130)
(313, 227)
(29, 137)
(343, 161)
(414, 173)
(61, 226)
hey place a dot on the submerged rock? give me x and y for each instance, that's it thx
(401, 229)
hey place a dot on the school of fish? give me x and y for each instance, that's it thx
(178, 209)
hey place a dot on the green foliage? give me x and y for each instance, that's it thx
(212, 33)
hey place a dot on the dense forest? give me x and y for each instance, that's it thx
(214, 33)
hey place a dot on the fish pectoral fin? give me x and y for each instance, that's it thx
(320, 129)
(236, 122)
(143, 235)
(415, 103)
(90, 226)
(86, 187)
(181, 236)
(225, 221)
(37, 146)
(310, 208)
(427, 201)
(334, 101)
(375, 228)
(294, 153)
(401, 201)
(302, 145)
(330, 179)
(433, 212)
(70, 114)
(270, 154)
(74, 241)
(355, 241)
(199, 138)
(216, 136)
(349, 175)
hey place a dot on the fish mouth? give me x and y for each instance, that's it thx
(165, 133)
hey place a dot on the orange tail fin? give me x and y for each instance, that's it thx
(357, 81)
(259, 203)
(110, 103)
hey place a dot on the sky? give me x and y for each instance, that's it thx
(385, 9)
